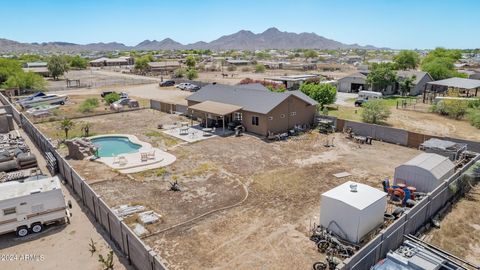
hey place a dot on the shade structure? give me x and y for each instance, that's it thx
(216, 108)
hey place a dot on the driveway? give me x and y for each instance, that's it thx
(343, 99)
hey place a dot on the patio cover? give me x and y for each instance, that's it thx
(216, 108)
(460, 83)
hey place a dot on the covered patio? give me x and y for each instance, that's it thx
(466, 87)
(213, 114)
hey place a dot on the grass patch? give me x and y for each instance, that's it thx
(347, 113)
(392, 101)
(159, 172)
(167, 140)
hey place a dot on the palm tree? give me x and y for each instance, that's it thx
(66, 124)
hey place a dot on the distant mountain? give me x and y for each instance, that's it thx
(271, 38)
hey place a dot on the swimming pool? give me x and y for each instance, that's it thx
(110, 146)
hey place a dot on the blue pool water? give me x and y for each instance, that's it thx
(114, 146)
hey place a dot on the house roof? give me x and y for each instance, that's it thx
(456, 82)
(364, 197)
(410, 73)
(215, 107)
(355, 75)
(253, 100)
(164, 64)
(436, 164)
(253, 86)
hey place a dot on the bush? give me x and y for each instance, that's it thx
(452, 108)
(259, 68)
(179, 73)
(192, 74)
(232, 68)
(473, 116)
(89, 105)
(375, 111)
(111, 98)
(245, 69)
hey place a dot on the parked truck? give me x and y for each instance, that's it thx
(27, 207)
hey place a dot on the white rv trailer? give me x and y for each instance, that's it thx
(369, 95)
(26, 207)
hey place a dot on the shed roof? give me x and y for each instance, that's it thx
(253, 100)
(163, 64)
(456, 82)
(15, 189)
(441, 144)
(436, 164)
(215, 107)
(364, 197)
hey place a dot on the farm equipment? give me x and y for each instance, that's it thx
(325, 126)
(331, 245)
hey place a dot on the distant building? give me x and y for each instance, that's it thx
(39, 68)
(163, 68)
(112, 62)
(238, 62)
(292, 82)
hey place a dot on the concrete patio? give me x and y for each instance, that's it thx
(195, 133)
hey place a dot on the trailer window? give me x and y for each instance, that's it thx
(9, 211)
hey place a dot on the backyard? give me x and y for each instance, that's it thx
(244, 202)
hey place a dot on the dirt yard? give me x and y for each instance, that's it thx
(245, 203)
(459, 231)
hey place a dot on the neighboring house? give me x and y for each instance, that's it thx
(39, 68)
(292, 82)
(358, 81)
(259, 110)
(163, 68)
(112, 62)
(419, 83)
(240, 62)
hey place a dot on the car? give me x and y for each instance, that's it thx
(119, 104)
(192, 88)
(359, 102)
(183, 86)
(167, 83)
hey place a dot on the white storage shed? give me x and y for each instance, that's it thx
(352, 210)
(425, 172)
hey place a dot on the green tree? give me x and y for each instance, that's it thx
(141, 64)
(406, 59)
(381, 76)
(310, 54)
(192, 74)
(190, 62)
(259, 68)
(406, 85)
(111, 98)
(262, 55)
(323, 93)
(57, 65)
(25, 81)
(8, 67)
(439, 63)
(78, 62)
(179, 73)
(375, 111)
(66, 124)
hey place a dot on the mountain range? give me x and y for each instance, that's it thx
(271, 38)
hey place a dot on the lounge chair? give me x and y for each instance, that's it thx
(144, 157)
(151, 154)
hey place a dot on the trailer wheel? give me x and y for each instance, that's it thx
(37, 227)
(22, 231)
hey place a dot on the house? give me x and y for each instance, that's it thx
(163, 68)
(259, 110)
(239, 62)
(292, 82)
(39, 68)
(358, 81)
(112, 62)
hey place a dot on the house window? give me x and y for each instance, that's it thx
(9, 211)
(255, 120)
(293, 113)
(270, 118)
(282, 115)
(237, 116)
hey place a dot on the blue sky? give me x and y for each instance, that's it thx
(383, 23)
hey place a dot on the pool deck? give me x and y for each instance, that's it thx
(194, 133)
(132, 162)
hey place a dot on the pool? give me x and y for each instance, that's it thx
(114, 145)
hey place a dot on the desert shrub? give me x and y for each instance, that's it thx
(111, 98)
(232, 68)
(259, 68)
(474, 117)
(179, 73)
(375, 111)
(192, 74)
(452, 108)
(245, 69)
(89, 105)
